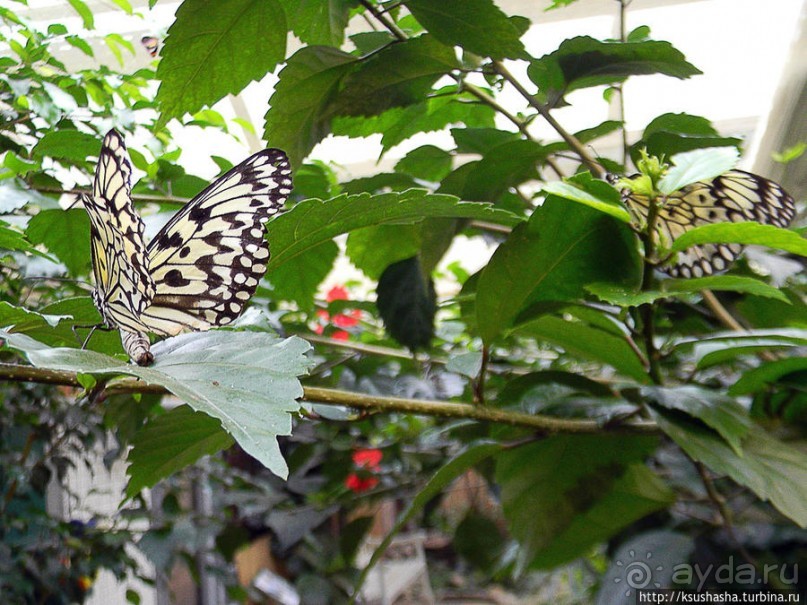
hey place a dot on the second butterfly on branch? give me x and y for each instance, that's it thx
(735, 196)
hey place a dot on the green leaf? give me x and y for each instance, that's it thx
(214, 49)
(80, 44)
(24, 320)
(84, 12)
(481, 140)
(407, 303)
(759, 378)
(566, 493)
(312, 222)
(116, 42)
(299, 278)
(716, 410)
(715, 349)
(65, 233)
(468, 364)
(624, 297)
(67, 144)
(319, 21)
(373, 87)
(774, 471)
(583, 62)
(301, 107)
(588, 342)
(729, 283)
(428, 162)
(569, 192)
(697, 165)
(502, 167)
(749, 232)
(477, 26)
(373, 249)
(398, 124)
(169, 443)
(11, 239)
(468, 458)
(554, 256)
(247, 380)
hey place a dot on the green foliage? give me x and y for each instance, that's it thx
(562, 319)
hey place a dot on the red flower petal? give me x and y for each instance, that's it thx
(343, 321)
(358, 484)
(336, 293)
(340, 335)
(368, 458)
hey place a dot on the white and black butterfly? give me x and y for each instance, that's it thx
(735, 196)
(201, 268)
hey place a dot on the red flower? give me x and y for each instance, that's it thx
(358, 484)
(368, 458)
(336, 293)
(340, 320)
(367, 461)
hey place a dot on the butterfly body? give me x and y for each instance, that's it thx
(201, 268)
(735, 196)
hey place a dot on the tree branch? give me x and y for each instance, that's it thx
(372, 403)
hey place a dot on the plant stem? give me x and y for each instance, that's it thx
(374, 403)
(543, 111)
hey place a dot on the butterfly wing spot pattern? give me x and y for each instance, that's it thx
(201, 268)
(736, 196)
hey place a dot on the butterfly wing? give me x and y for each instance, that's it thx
(735, 196)
(207, 261)
(123, 286)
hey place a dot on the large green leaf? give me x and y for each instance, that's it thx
(299, 278)
(773, 470)
(373, 249)
(319, 21)
(300, 109)
(562, 248)
(400, 123)
(169, 443)
(312, 222)
(374, 87)
(672, 288)
(217, 48)
(673, 133)
(719, 411)
(475, 25)
(503, 166)
(588, 342)
(65, 233)
(246, 380)
(565, 493)
(583, 62)
(68, 144)
(749, 232)
(757, 379)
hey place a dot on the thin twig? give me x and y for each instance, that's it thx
(726, 515)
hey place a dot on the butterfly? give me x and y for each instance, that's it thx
(201, 268)
(151, 44)
(734, 196)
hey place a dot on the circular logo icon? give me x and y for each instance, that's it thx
(637, 574)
